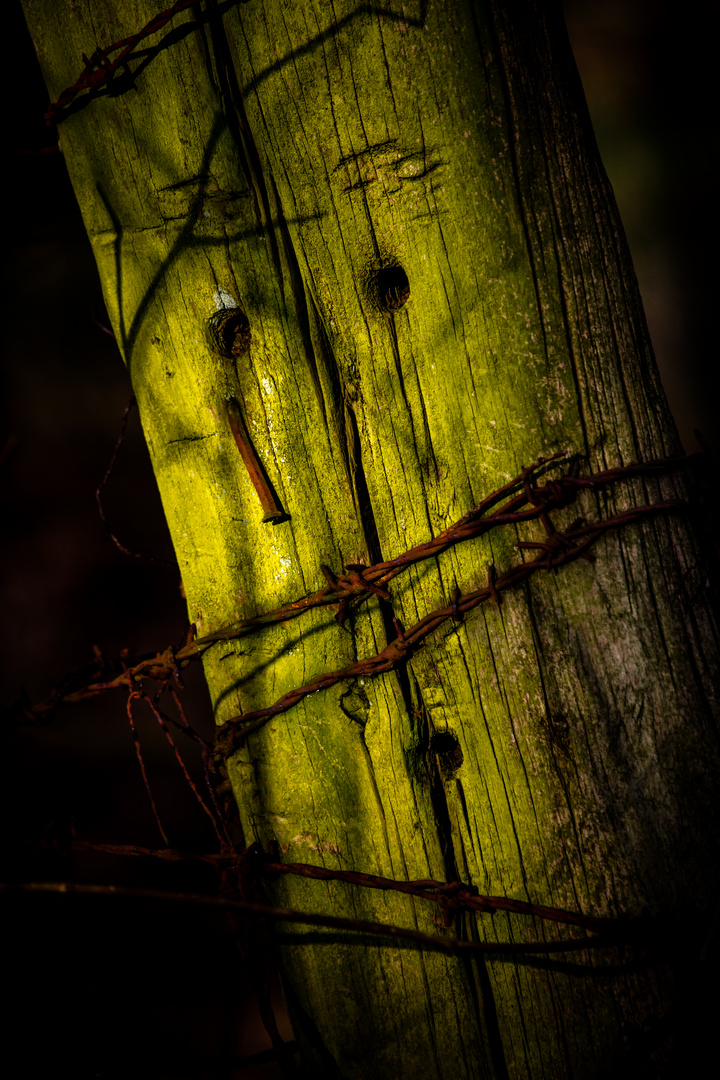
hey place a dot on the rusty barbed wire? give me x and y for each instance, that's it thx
(133, 696)
(351, 590)
(163, 722)
(622, 933)
(450, 896)
(558, 550)
(206, 753)
(166, 854)
(238, 868)
(99, 68)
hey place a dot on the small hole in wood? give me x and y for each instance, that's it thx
(449, 754)
(393, 288)
(229, 333)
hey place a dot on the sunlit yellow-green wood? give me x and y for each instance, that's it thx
(277, 157)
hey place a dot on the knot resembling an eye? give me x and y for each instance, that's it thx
(229, 333)
(393, 288)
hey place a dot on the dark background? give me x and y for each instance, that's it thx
(111, 988)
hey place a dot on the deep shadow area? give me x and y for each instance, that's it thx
(125, 988)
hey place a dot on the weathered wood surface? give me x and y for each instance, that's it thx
(562, 748)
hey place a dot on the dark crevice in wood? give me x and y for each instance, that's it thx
(236, 118)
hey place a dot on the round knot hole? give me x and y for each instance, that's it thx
(229, 333)
(393, 288)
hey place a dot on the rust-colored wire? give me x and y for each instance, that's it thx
(566, 547)
(134, 695)
(622, 933)
(360, 583)
(99, 68)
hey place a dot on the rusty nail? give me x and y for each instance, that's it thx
(272, 509)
